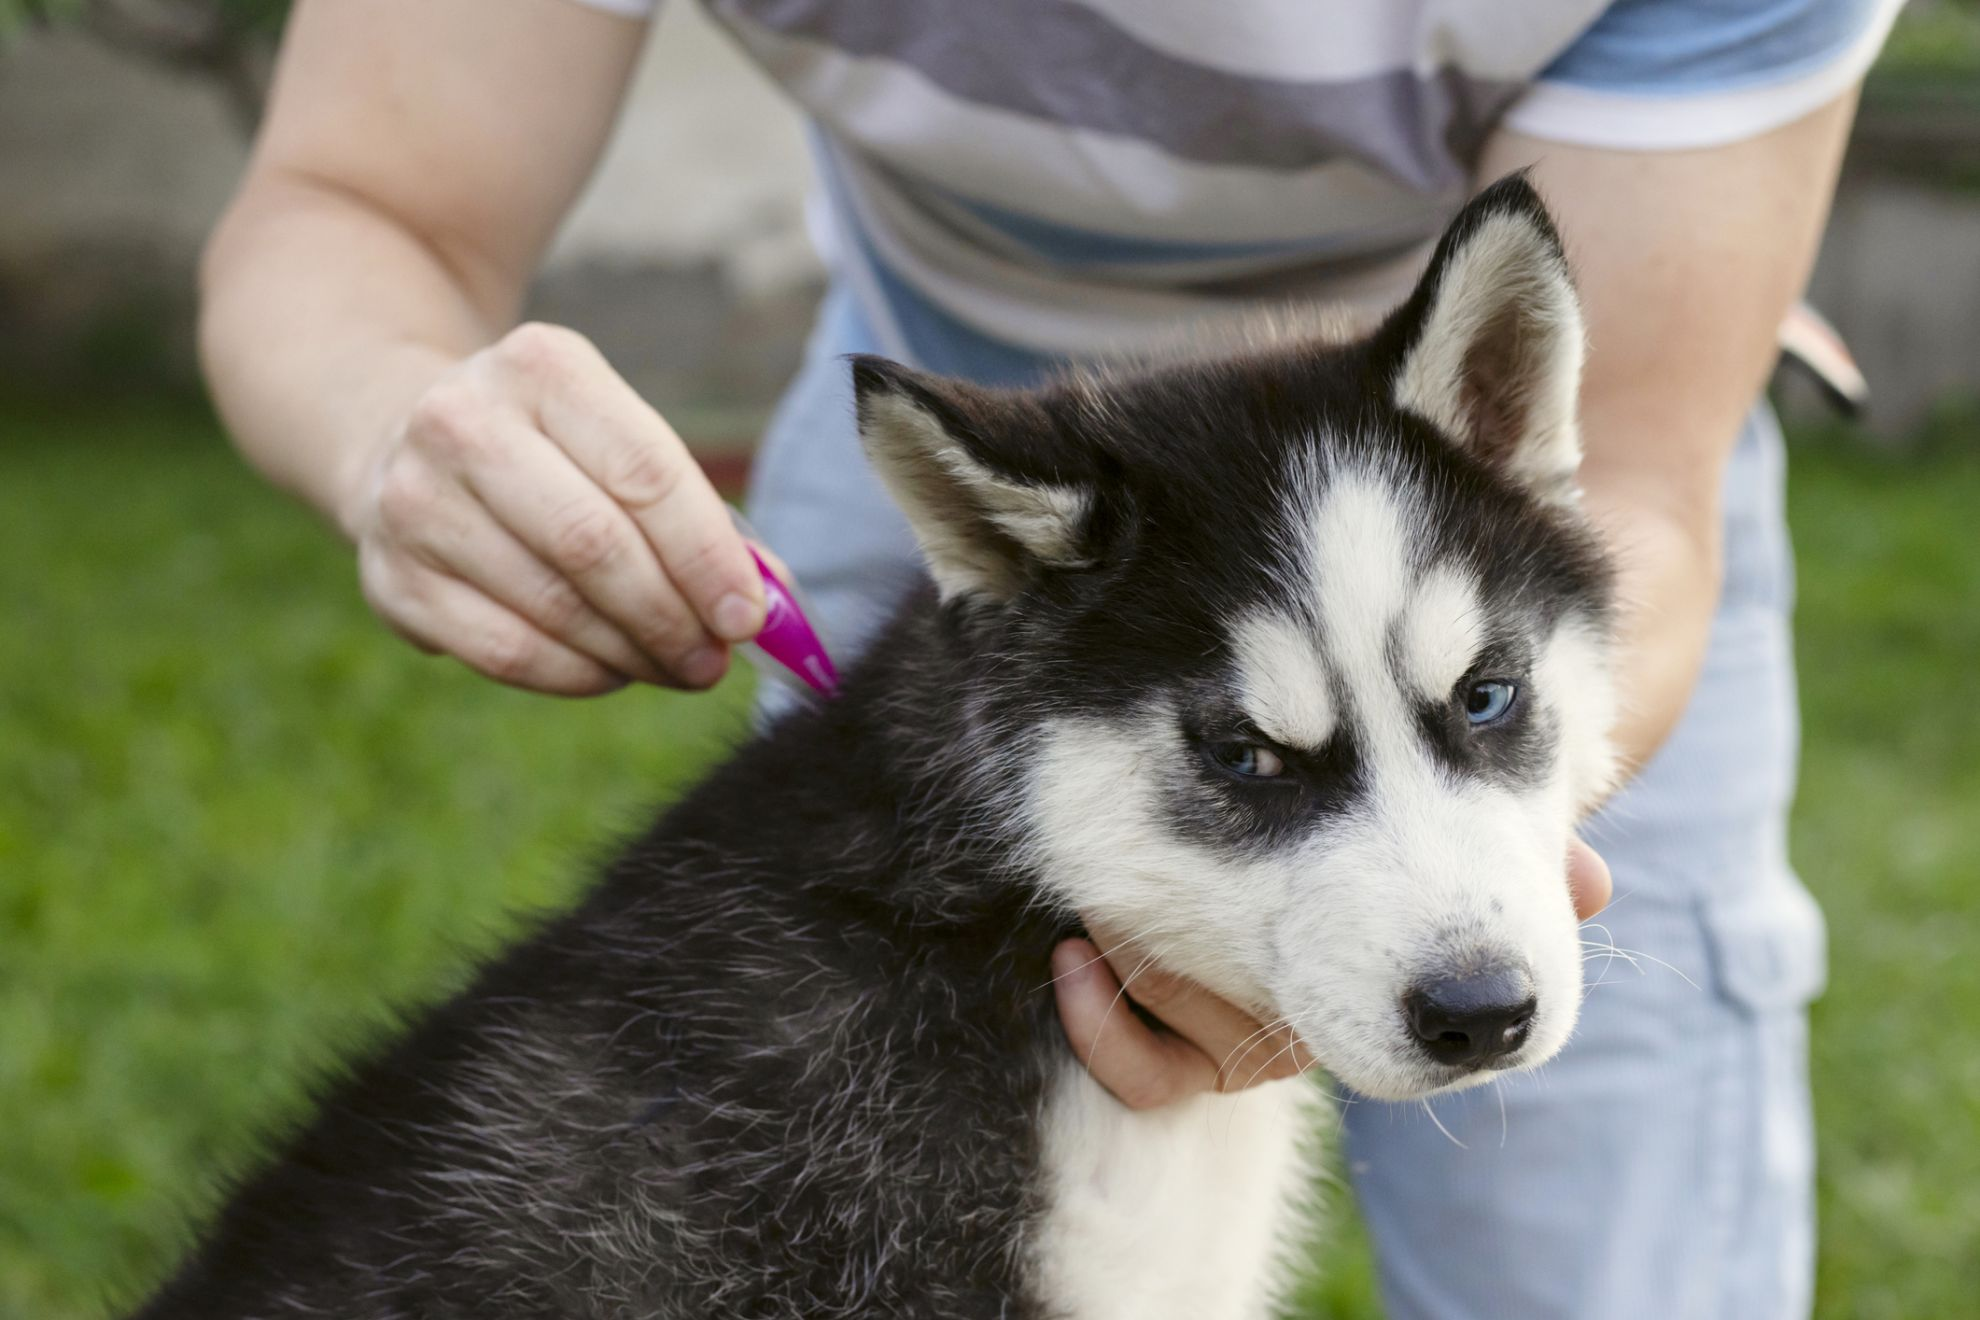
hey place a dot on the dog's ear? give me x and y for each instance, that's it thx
(993, 494)
(1489, 347)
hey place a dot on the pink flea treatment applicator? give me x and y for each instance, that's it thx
(788, 640)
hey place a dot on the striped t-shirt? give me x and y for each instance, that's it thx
(1064, 175)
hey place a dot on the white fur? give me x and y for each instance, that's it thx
(1506, 281)
(1359, 573)
(1177, 1213)
(1574, 668)
(1043, 519)
(1105, 847)
(948, 496)
(1286, 688)
(1441, 631)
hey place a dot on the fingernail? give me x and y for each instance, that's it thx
(703, 666)
(737, 617)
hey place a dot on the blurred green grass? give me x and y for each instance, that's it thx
(1936, 40)
(237, 820)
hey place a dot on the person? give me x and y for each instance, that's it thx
(1010, 186)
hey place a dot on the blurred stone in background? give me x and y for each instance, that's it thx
(687, 259)
(1899, 273)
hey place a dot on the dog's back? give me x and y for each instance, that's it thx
(780, 1043)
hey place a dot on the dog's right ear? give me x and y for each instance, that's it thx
(991, 497)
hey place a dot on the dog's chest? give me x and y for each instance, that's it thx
(1180, 1212)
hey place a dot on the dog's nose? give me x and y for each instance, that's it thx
(1471, 1021)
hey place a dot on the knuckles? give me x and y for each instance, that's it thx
(700, 564)
(507, 655)
(538, 351)
(557, 608)
(646, 475)
(452, 419)
(585, 539)
(407, 497)
(1156, 990)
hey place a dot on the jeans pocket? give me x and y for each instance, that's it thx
(1769, 945)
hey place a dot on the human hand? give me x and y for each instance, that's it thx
(1205, 1043)
(535, 519)
(1589, 883)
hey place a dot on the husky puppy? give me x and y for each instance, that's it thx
(1291, 663)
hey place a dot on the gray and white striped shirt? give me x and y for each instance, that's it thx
(1065, 175)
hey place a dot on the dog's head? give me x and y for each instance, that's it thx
(1296, 657)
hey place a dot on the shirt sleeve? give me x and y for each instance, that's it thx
(623, 8)
(1651, 75)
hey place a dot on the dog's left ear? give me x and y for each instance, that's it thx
(1489, 347)
(994, 493)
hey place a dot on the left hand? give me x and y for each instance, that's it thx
(1204, 1043)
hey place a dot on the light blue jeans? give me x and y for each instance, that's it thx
(1662, 1167)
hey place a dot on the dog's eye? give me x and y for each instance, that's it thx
(1248, 759)
(1488, 702)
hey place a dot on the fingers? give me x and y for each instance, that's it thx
(534, 476)
(1589, 880)
(470, 545)
(571, 525)
(1142, 1068)
(1245, 1052)
(636, 458)
(442, 614)
(1208, 1044)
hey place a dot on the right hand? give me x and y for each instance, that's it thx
(535, 519)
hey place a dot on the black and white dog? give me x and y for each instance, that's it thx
(1291, 662)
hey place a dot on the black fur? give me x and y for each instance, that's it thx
(805, 1011)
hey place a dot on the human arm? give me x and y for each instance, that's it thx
(512, 501)
(1687, 262)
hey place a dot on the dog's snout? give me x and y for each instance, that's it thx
(1471, 1021)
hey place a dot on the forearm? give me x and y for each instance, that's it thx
(413, 164)
(1668, 574)
(322, 320)
(1687, 261)
(513, 501)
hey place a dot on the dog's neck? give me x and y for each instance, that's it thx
(903, 792)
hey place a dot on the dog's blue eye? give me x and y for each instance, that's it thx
(1488, 702)
(1248, 759)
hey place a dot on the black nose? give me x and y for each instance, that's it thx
(1471, 1021)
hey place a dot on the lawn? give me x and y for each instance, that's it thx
(237, 820)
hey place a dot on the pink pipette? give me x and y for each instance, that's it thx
(788, 637)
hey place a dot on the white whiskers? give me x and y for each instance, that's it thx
(1425, 1102)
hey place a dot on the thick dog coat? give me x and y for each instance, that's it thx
(1290, 662)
